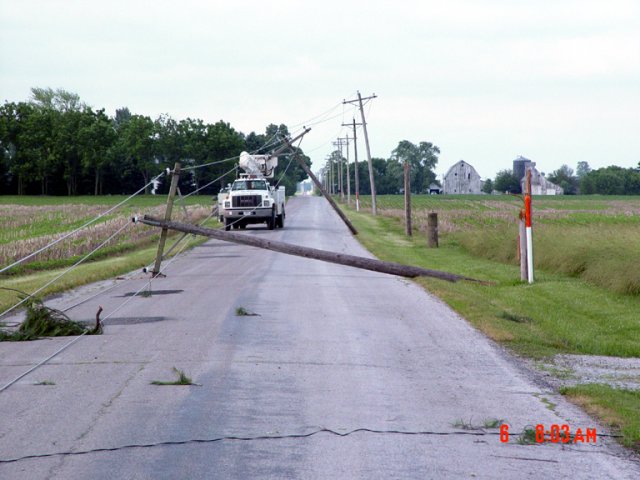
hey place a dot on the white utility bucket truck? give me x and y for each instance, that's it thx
(250, 198)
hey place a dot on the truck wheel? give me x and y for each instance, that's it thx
(271, 222)
(227, 224)
(280, 220)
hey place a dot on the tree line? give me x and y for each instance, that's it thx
(388, 173)
(612, 180)
(54, 144)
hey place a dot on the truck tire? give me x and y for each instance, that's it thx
(271, 222)
(280, 221)
(227, 224)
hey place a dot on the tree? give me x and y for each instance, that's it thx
(422, 159)
(14, 119)
(582, 169)
(96, 137)
(137, 143)
(487, 186)
(611, 180)
(564, 178)
(507, 182)
(59, 99)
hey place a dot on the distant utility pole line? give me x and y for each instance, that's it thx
(374, 210)
(355, 161)
(346, 143)
(338, 144)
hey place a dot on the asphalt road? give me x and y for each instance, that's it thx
(331, 348)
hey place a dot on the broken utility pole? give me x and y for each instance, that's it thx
(372, 264)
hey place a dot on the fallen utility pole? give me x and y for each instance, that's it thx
(317, 183)
(374, 265)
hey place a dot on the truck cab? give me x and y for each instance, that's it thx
(251, 199)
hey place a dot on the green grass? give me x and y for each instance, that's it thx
(108, 200)
(587, 237)
(618, 409)
(559, 313)
(27, 223)
(86, 273)
(182, 379)
(556, 314)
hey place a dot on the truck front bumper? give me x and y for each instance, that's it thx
(261, 213)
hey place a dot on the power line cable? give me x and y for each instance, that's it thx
(205, 186)
(238, 438)
(72, 267)
(95, 219)
(73, 341)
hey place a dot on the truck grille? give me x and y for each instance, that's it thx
(244, 201)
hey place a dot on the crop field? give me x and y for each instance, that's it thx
(25, 227)
(29, 223)
(595, 238)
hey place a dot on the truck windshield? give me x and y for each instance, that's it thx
(249, 185)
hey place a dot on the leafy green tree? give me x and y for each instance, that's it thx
(422, 159)
(507, 182)
(487, 186)
(137, 139)
(96, 137)
(582, 169)
(60, 100)
(14, 119)
(611, 180)
(564, 178)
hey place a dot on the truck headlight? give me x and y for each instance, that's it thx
(227, 204)
(265, 203)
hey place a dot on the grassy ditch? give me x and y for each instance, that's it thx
(618, 409)
(587, 237)
(557, 314)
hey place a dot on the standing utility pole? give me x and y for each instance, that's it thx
(355, 162)
(317, 183)
(407, 198)
(339, 145)
(374, 210)
(346, 142)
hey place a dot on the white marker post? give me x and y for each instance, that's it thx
(529, 233)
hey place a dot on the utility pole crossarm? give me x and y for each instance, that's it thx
(374, 209)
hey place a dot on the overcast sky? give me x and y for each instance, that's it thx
(557, 81)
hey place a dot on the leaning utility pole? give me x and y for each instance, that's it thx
(317, 183)
(355, 162)
(374, 210)
(167, 217)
